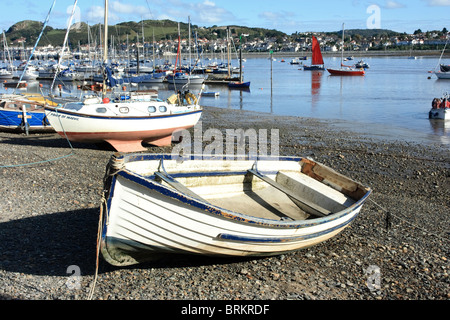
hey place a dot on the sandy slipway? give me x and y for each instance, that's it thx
(49, 220)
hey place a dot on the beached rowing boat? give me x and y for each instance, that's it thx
(154, 205)
(24, 113)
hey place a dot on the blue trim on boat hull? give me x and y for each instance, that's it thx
(251, 240)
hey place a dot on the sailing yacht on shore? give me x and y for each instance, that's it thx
(345, 70)
(124, 119)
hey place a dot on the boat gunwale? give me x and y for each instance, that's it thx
(217, 211)
(61, 110)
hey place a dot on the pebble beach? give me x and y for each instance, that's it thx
(396, 249)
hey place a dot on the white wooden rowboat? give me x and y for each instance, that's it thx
(154, 204)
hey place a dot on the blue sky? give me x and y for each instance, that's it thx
(288, 15)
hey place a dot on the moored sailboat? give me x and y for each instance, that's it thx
(317, 59)
(345, 70)
(239, 84)
(443, 72)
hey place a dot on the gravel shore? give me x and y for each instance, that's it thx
(49, 219)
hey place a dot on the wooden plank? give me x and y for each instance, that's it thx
(315, 209)
(177, 185)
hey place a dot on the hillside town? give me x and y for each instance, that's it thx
(298, 43)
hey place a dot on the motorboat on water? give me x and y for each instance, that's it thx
(440, 108)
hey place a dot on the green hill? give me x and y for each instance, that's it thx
(161, 29)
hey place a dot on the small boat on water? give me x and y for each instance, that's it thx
(345, 70)
(158, 204)
(210, 94)
(317, 59)
(443, 72)
(239, 84)
(15, 84)
(185, 78)
(5, 74)
(362, 64)
(440, 108)
(444, 69)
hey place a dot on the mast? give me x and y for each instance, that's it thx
(143, 39)
(178, 50)
(189, 43)
(105, 48)
(228, 51)
(66, 37)
(89, 42)
(153, 50)
(137, 55)
(342, 54)
(37, 41)
(240, 65)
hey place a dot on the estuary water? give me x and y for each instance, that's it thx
(391, 101)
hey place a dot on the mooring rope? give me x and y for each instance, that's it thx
(99, 236)
(113, 167)
(48, 160)
(388, 220)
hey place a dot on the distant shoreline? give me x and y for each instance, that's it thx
(399, 53)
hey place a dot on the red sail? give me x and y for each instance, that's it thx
(316, 54)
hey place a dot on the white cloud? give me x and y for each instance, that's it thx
(393, 5)
(120, 8)
(279, 20)
(208, 12)
(438, 3)
(94, 14)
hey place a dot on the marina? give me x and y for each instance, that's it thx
(392, 100)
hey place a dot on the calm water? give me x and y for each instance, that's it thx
(391, 101)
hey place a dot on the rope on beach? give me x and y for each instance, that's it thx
(99, 235)
(49, 160)
(37, 162)
(389, 221)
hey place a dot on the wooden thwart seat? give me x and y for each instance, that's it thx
(298, 200)
(304, 204)
(177, 185)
